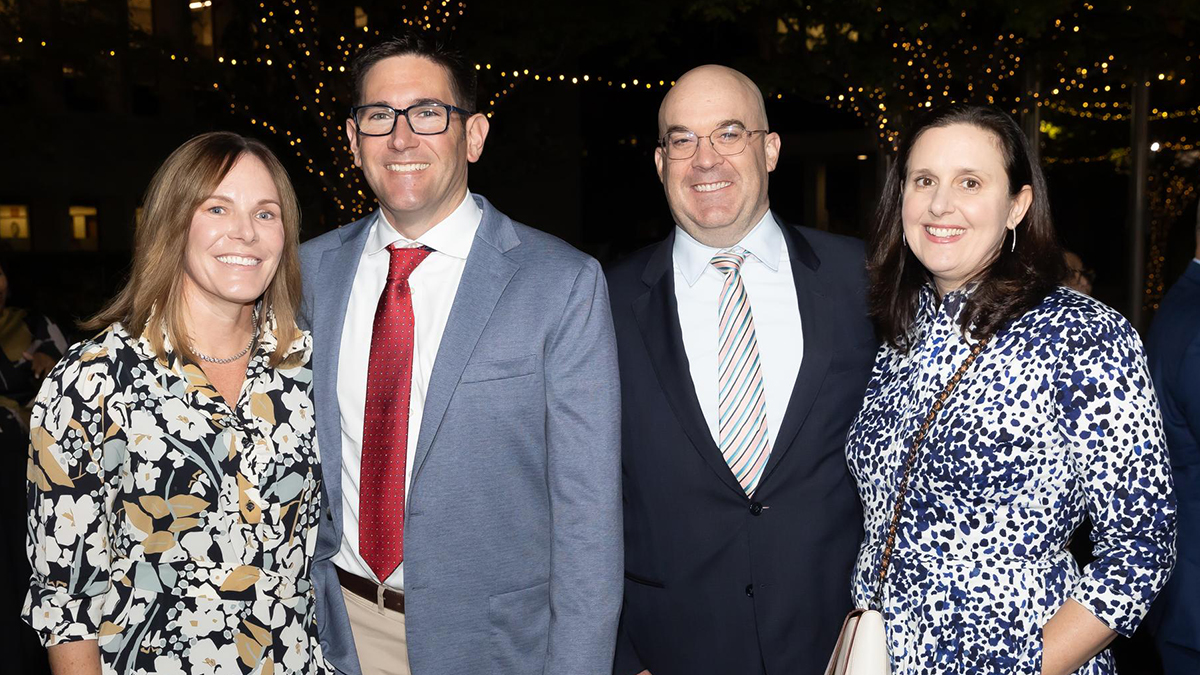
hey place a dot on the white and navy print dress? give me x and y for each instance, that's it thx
(1055, 422)
(172, 526)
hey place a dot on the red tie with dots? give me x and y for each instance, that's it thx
(385, 419)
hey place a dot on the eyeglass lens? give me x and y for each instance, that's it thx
(380, 120)
(729, 140)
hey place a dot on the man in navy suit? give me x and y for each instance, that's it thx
(744, 348)
(1174, 349)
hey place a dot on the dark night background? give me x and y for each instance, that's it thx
(94, 94)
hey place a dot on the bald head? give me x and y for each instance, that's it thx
(719, 192)
(714, 81)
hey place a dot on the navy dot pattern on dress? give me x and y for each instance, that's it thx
(1056, 422)
(385, 419)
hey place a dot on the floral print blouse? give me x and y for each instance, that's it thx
(174, 528)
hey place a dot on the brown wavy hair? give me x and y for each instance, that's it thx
(1013, 283)
(153, 297)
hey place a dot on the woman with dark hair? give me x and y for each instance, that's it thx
(174, 486)
(1053, 421)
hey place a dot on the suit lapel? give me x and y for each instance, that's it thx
(657, 315)
(336, 272)
(815, 313)
(487, 273)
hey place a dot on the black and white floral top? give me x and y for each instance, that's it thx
(1055, 422)
(175, 529)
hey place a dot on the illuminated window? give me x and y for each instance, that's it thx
(85, 231)
(360, 17)
(202, 24)
(141, 16)
(14, 221)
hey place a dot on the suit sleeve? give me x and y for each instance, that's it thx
(1187, 386)
(584, 476)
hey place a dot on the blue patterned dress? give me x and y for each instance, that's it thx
(1056, 421)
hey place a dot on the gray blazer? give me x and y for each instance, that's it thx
(512, 538)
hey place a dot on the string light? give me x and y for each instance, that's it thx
(510, 81)
(933, 70)
(930, 69)
(1169, 196)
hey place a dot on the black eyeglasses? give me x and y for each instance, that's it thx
(426, 119)
(728, 140)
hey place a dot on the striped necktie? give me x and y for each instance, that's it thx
(744, 440)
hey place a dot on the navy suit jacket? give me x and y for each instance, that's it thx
(715, 582)
(1174, 349)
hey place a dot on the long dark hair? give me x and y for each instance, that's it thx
(1010, 285)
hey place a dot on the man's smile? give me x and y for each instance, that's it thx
(712, 187)
(407, 168)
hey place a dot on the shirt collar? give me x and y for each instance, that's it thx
(453, 236)
(764, 243)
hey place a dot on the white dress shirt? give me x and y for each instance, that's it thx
(433, 285)
(767, 275)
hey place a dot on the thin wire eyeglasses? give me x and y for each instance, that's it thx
(726, 141)
(426, 119)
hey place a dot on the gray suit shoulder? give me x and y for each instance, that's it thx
(322, 241)
(330, 239)
(544, 249)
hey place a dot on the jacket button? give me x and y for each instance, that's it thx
(756, 508)
(750, 591)
(329, 515)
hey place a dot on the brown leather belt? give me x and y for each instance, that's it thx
(371, 591)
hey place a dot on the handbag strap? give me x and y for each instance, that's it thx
(938, 404)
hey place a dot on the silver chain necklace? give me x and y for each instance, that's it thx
(235, 357)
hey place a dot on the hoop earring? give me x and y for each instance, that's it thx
(1014, 244)
(903, 239)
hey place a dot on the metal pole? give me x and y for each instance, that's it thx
(1031, 122)
(1140, 164)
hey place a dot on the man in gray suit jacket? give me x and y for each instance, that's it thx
(467, 406)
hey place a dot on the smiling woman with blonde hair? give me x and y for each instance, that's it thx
(174, 487)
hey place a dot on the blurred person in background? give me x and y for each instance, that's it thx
(1079, 277)
(30, 345)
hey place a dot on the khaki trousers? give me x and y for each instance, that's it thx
(378, 637)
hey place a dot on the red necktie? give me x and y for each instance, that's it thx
(385, 419)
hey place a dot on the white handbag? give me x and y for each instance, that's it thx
(862, 645)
